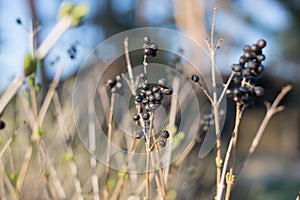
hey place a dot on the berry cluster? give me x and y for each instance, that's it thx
(72, 51)
(161, 140)
(115, 85)
(208, 120)
(176, 59)
(150, 48)
(246, 71)
(150, 96)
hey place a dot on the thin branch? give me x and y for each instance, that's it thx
(172, 118)
(92, 147)
(215, 104)
(129, 67)
(220, 186)
(8, 142)
(23, 170)
(225, 87)
(206, 93)
(69, 150)
(49, 96)
(60, 27)
(271, 110)
(10, 92)
(239, 111)
(108, 148)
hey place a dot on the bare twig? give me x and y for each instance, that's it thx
(271, 110)
(129, 67)
(10, 92)
(49, 96)
(23, 169)
(172, 118)
(212, 47)
(69, 150)
(61, 26)
(206, 93)
(225, 88)
(108, 148)
(8, 142)
(239, 111)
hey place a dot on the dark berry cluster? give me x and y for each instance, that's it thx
(150, 48)
(176, 59)
(115, 85)
(72, 51)
(246, 71)
(208, 120)
(163, 137)
(150, 96)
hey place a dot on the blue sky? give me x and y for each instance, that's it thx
(269, 16)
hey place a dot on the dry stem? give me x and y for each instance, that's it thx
(109, 136)
(212, 47)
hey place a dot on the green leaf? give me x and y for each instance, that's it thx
(31, 80)
(172, 194)
(78, 12)
(65, 9)
(177, 139)
(39, 132)
(111, 184)
(37, 87)
(69, 157)
(13, 177)
(30, 64)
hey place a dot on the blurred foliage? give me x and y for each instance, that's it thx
(195, 177)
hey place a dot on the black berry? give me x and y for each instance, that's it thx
(136, 117)
(259, 91)
(111, 83)
(138, 98)
(246, 48)
(168, 91)
(147, 40)
(139, 135)
(162, 82)
(143, 76)
(165, 134)
(261, 43)
(195, 78)
(19, 21)
(148, 51)
(2, 124)
(162, 143)
(158, 96)
(146, 116)
(145, 86)
(154, 46)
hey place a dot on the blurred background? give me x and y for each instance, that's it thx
(274, 170)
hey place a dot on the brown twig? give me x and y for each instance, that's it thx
(271, 110)
(108, 148)
(49, 96)
(230, 180)
(129, 67)
(212, 47)
(10, 92)
(69, 150)
(60, 27)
